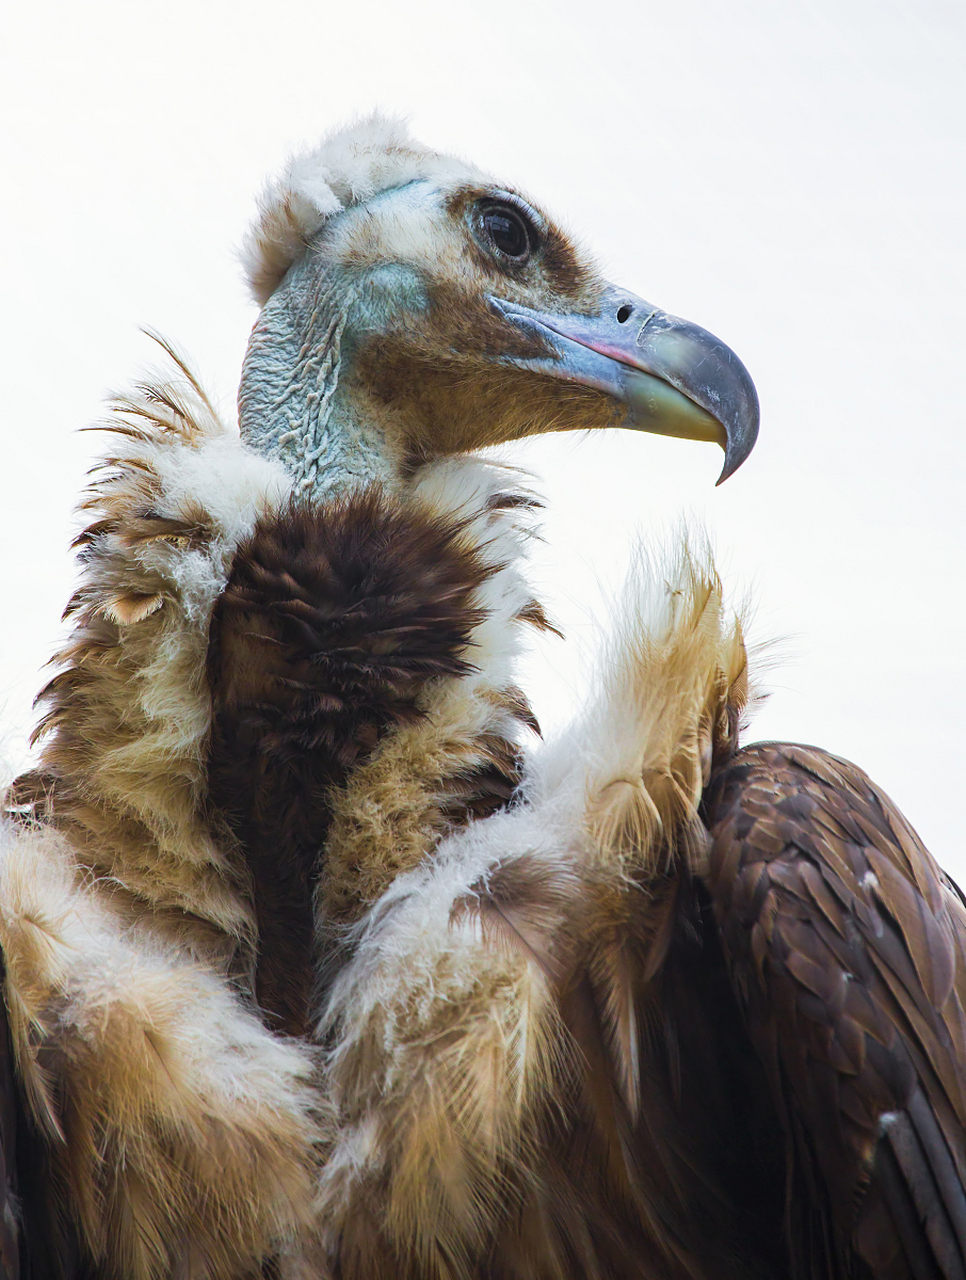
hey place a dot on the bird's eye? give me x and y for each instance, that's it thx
(506, 230)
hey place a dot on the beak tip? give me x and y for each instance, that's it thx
(740, 443)
(733, 460)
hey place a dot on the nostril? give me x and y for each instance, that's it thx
(624, 314)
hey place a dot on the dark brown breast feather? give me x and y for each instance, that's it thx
(331, 624)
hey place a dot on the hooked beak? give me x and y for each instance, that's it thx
(675, 378)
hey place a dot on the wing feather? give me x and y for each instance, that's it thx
(845, 943)
(9, 1109)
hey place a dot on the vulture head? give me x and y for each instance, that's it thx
(414, 308)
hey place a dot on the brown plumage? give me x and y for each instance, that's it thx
(846, 947)
(522, 1118)
(331, 624)
(317, 964)
(10, 1119)
(167, 1131)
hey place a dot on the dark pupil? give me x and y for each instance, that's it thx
(507, 232)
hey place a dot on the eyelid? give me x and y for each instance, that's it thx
(527, 210)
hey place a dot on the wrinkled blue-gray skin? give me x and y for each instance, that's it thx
(673, 377)
(289, 402)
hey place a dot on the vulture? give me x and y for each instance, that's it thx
(318, 961)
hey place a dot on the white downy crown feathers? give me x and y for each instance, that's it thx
(347, 168)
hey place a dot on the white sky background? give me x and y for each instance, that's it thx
(791, 175)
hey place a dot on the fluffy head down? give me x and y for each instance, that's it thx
(348, 167)
(380, 346)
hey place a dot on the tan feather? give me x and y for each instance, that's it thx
(150, 1080)
(677, 687)
(131, 609)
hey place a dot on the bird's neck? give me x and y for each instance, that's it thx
(295, 401)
